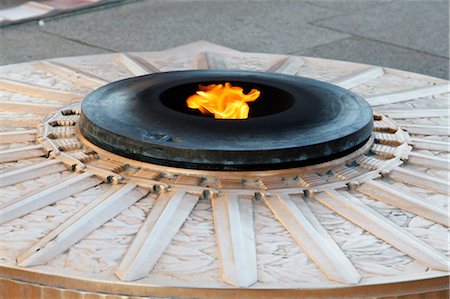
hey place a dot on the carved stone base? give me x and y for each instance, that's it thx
(77, 221)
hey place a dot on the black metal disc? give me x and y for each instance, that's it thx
(297, 121)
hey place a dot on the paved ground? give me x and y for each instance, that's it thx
(404, 34)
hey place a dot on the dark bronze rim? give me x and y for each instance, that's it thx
(141, 118)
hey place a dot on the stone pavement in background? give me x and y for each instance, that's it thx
(15, 12)
(404, 34)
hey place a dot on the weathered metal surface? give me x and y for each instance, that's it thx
(295, 122)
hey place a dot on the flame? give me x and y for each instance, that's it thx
(226, 102)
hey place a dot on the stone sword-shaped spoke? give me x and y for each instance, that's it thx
(431, 130)
(386, 193)
(428, 161)
(9, 137)
(309, 234)
(38, 91)
(89, 218)
(414, 113)
(164, 221)
(61, 189)
(29, 107)
(210, 61)
(359, 77)
(20, 122)
(136, 65)
(35, 170)
(22, 153)
(406, 95)
(351, 208)
(71, 74)
(420, 180)
(432, 145)
(200, 45)
(287, 65)
(235, 236)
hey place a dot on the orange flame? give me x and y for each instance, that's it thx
(227, 102)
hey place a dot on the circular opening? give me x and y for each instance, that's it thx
(271, 101)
